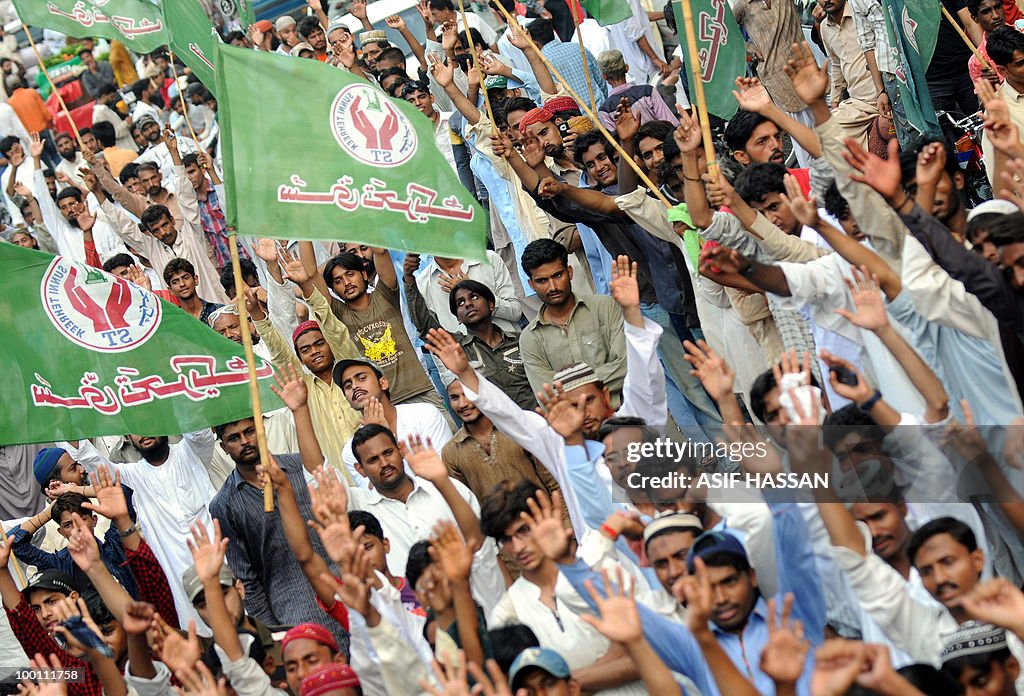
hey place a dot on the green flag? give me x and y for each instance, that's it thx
(192, 38)
(922, 18)
(607, 11)
(904, 35)
(247, 13)
(335, 160)
(137, 23)
(87, 353)
(721, 51)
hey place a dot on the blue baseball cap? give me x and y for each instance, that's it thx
(541, 658)
(45, 463)
(712, 543)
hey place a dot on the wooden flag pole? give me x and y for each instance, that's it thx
(476, 64)
(250, 361)
(587, 110)
(583, 57)
(184, 106)
(60, 99)
(966, 38)
(698, 91)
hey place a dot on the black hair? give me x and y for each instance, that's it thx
(70, 192)
(1009, 229)
(758, 181)
(218, 430)
(980, 223)
(850, 419)
(154, 213)
(928, 680)
(62, 134)
(584, 141)
(961, 533)
(542, 251)
(346, 260)
(392, 53)
(725, 559)
(478, 39)
(178, 265)
(541, 30)
(100, 612)
(741, 128)
(473, 286)
(1002, 43)
(763, 384)
(441, 5)
(105, 89)
(517, 104)
(508, 641)
(227, 276)
(979, 661)
(116, 261)
(370, 524)
(414, 86)
(368, 432)
(129, 171)
(190, 160)
(504, 505)
(417, 563)
(69, 502)
(659, 130)
(139, 87)
(149, 167)
(835, 204)
(908, 159)
(670, 149)
(610, 425)
(233, 36)
(973, 6)
(84, 51)
(392, 72)
(7, 143)
(104, 132)
(307, 25)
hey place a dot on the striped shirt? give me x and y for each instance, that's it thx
(773, 28)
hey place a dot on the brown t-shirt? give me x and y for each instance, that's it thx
(379, 334)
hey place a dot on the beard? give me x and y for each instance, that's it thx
(158, 450)
(68, 156)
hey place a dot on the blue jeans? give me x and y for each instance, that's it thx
(905, 133)
(689, 404)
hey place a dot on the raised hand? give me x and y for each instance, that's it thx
(292, 266)
(805, 210)
(395, 22)
(136, 274)
(138, 617)
(273, 472)
(82, 545)
(1011, 182)
(449, 550)
(867, 298)
(266, 249)
(449, 280)
(26, 193)
(450, 675)
(175, 650)
(424, 9)
(626, 123)
(444, 73)
(291, 388)
(720, 192)
(721, 259)
(809, 81)
(687, 134)
(624, 287)
(449, 36)
(545, 523)
(695, 591)
(198, 680)
(751, 94)
(857, 393)
(410, 265)
(49, 663)
(448, 350)
(329, 503)
(998, 602)
(373, 412)
(208, 555)
(837, 664)
(357, 8)
(36, 146)
(357, 578)
(68, 609)
(785, 652)
(883, 175)
(110, 500)
(502, 144)
(931, 163)
(711, 369)
(533, 154)
(620, 619)
(423, 459)
(562, 412)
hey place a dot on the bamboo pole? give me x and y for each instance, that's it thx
(476, 64)
(250, 361)
(698, 91)
(966, 38)
(60, 99)
(587, 110)
(583, 58)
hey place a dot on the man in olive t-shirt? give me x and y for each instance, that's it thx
(374, 319)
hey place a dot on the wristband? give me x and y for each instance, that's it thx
(609, 531)
(747, 271)
(870, 403)
(131, 530)
(906, 197)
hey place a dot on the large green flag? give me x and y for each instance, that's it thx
(922, 19)
(247, 13)
(192, 38)
(87, 353)
(607, 11)
(135, 22)
(336, 160)
(904, 35)
(721, 51)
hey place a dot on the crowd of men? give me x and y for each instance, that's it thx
(550, 472)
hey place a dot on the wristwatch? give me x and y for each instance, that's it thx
(131, 530)
(870, 403)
